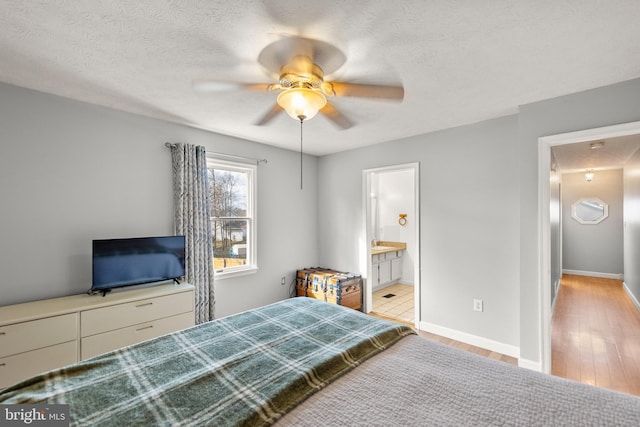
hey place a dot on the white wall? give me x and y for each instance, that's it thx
(593, 248)
(395, 196)
(631, 182)
(469, 221)
(71, 172)
(555, 208)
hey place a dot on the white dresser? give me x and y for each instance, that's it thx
(48, 334)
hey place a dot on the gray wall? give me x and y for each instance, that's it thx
(473, 180)
(469, 221)
(615, 104)
(631, 182)
(71, 172)
(595, 248)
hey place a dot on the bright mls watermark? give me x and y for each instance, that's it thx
(34, 415)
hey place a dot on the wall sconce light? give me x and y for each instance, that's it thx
(589, 175)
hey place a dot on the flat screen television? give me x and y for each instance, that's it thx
(136, 261)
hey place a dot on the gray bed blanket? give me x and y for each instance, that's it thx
(422, 383)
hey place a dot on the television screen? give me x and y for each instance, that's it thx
(134, 261)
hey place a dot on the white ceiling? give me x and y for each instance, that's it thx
(459, 61)
(578, 157)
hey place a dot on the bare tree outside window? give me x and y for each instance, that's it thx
(231, 218)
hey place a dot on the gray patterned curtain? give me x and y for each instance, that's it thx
(193, 219)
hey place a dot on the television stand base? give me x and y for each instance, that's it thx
(101, 291)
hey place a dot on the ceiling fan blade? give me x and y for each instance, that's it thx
(339, 119)
(393, 93)
(270, 115)
(226, 86)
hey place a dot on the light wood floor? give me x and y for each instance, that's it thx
(596, 334)
(455, 344)
(398, 311)
(470, 348)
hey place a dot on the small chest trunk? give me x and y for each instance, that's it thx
(332, 286)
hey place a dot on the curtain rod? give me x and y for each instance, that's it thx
(232, 156)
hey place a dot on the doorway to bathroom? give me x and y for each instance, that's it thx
(391, 197)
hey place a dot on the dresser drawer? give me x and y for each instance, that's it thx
(24, 365)
(112, 340)
(120, 316)
(25, 336)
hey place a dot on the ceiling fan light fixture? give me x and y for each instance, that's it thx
(301, 103)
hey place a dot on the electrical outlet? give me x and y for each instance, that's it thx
(283, 281)
(477, 305)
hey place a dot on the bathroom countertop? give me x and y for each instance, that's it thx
(382, 247)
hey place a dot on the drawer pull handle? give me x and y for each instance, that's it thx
(146, 303)
(146, 327)
(3, 333)
(2, 364)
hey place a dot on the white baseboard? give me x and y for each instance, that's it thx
(617, 276)
(631, 296)
(466, 338)
(403, 282)
(530, 364)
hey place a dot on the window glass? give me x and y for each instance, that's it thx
(232, 189)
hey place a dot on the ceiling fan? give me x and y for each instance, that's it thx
(300, 65)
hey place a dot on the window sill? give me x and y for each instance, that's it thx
(229, 273)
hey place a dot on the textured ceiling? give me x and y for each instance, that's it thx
(459, 61)
(580, 156)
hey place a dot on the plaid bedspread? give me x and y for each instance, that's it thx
(247, 369)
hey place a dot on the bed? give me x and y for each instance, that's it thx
(303, 362)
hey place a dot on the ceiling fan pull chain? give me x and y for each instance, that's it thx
(301, 120)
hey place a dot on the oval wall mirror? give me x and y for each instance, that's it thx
(589, 210)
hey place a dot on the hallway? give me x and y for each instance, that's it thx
(596, 334)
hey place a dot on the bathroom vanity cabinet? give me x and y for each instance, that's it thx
(386, 263)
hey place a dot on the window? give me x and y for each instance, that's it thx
(232, 187)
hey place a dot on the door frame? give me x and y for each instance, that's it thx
(545, 144)
(366, 202)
